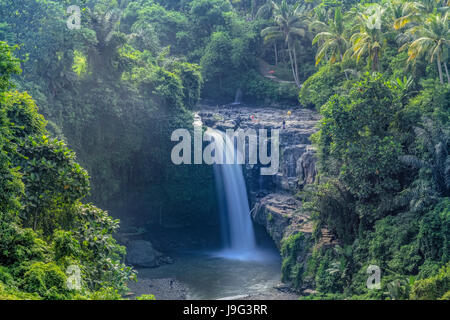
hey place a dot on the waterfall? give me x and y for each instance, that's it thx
(238, 97)
(237, 229)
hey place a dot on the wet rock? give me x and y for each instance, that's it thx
(141, 253)
(167, 260)
(279, 214)
(306, 168)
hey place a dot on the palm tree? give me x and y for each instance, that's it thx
(415, 11)
(266, 10)
(396, 16)
(108, 38)
(434, 181)
(410, 12)
(345, 265)
(332, 40)
(369, 40)
(433, 42)
(290, 27)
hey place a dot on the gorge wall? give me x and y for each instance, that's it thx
(273, 201)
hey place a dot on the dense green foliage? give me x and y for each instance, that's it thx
(115, 89)
(292, 247)
(383, 147)
(44, 226)
(138, 68)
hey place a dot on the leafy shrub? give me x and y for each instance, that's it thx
(107, 293)
(446, 296)
(12, 293)
(434, 287)
(101, 255)
(65, 245)
(318, 88)
(47, 280)
(434, 234)
(5, 275)
(10, 65)
(25, 246)
(291, 250)
(325, 280)
(256, 88)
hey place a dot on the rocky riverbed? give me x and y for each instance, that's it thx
(172, 289)
(162, 289)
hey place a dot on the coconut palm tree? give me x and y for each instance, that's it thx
(370, 38)
(332, 40)
(394, 13)
(434, 181)
(410, 12)
(415, 11)
(291, 26)
(433, 42)
(266, 10)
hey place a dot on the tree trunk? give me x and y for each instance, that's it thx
(296, 69)
(345, 71)
(292, 64)
(276, 54)
(440, 70)
(35, 220)
(297, 80)
(375, 61)
(446, 72)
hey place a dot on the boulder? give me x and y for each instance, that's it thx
(141, 253)
(306, 168)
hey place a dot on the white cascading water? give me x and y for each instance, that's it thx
(237, 229)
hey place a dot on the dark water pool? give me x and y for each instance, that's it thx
(209, 275)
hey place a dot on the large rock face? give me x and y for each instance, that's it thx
(279, 214)
(297, 161)
(306, 168)
(274, 205)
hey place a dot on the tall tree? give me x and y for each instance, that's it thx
(291, 26)
(414, 12)
(332, 40)
(266, 10)
(433, 42)
(369, 40)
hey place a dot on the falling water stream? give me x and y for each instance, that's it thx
(246, 263)
(238, 235)
(238, 97)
